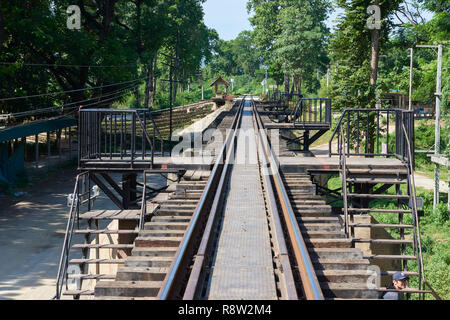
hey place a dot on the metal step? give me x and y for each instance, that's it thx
(154, 251)
(328, 243)
(323, 234)
(141, 274)
(145, 233)
(377, 196)
(383, 241)
(390, 257)
(363, 210)
(97, 261)
(128, 288)
(111, 215)
(150, 262)
(377, 180)
(91, 276)
(379, 225)
(345, 276)
(166, 226)
(348, 290)
(157, 241)
(335, 253)
(340, 264)
(103, 246)
(105, 231)
(406, 290)
(78, 293)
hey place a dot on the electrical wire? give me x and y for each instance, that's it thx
(65, 65)
(32, 112)
(68, 91)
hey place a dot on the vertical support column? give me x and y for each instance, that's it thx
(37, 150)
(437, 132)
(170, 108)
(306, 140)
(129, 185)
(24, 141)
(48, 150)
(59, 134)
(70, 142)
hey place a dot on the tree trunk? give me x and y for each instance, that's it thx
(286, 82)
(2, 29)
(375, 48)
(149, 84)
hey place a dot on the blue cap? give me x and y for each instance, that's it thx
(399, 276)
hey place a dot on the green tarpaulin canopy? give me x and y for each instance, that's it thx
(34, 128)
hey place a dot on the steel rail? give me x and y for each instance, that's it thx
(283, 254)
(308, 276)
(194, 282)
(170, 280)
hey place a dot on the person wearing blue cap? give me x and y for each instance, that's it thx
(399, 282)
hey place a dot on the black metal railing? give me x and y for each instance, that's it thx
(118, 135)
(368, 133)
(312, 110)
(80, 196)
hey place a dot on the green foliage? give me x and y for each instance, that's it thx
(121, 39)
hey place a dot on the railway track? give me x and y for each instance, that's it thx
(200, 242)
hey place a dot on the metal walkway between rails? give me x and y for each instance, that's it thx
(243, 265)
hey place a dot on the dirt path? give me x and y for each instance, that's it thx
(31, 235)
(32, 229)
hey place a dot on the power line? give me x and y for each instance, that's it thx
(69, 91)
(65, 65)
(33, 112)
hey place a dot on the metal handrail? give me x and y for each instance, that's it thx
(343, 163)
(416, 216)
(400, 151)
(73, 213)
(308, 276)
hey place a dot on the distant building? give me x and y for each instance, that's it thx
(401, 101)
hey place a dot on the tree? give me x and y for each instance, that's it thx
(300, 47)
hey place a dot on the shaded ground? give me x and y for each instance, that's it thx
(31, 235)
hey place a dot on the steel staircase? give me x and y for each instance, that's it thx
(362, 188)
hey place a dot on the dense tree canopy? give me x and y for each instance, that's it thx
(114, 52)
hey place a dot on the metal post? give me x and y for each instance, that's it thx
(59, 133)
(328, 75)
(437, 134)
(170, 108)
(201, 79)
(37, 150)
(411, 52)
(48, 150)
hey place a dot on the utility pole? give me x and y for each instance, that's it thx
(170, 107)
(411, 52)
(171, 66)
(328, 76)
(201, 79)
(437, 129)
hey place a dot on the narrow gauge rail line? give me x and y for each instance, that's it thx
(190, 272)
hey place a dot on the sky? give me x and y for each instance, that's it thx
(230, 17)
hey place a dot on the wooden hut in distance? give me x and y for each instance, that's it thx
(218, 93)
